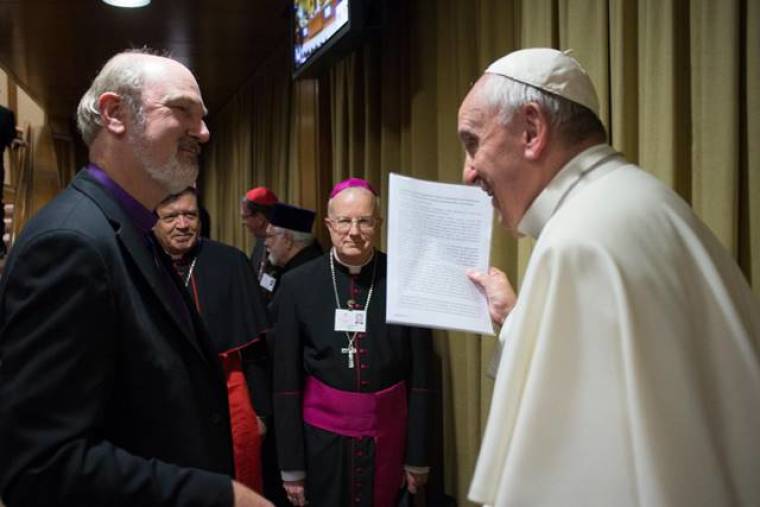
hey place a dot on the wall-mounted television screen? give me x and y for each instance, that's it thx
(318, 27)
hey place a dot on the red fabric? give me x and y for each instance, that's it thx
(261, 196)
(246, 441)
(381, 415)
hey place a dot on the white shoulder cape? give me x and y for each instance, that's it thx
(630, 373)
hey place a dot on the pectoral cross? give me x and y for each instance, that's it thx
(350, 351)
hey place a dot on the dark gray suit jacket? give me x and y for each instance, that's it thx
(107, 396)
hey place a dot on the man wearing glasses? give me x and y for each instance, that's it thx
(351, 393)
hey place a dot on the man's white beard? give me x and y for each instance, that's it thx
(273, 260)
(174, 176)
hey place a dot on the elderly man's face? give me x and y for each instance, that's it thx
(493, 158)
(178, 223)
(278, 243)
(168, 135)
(353, 224)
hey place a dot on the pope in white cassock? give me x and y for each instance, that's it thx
(630, 372)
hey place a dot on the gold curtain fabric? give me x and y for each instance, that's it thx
(250, 146)
(677, 84)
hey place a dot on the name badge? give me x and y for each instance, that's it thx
(268, 282)
(352, 321)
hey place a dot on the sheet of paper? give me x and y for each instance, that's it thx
(436, 231)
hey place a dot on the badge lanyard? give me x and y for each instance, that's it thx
(351, 320)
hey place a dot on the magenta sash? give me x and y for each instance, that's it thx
(381, 415)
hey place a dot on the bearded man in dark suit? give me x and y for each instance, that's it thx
(110, 392)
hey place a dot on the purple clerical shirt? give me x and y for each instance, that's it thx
(144, 219)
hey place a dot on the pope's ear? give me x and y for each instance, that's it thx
(113, 113)
(535, 132)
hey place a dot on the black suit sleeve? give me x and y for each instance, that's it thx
(58, 370)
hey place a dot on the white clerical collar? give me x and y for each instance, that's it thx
(353, 269)
(553, 195)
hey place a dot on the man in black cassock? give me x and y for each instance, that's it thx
(222, 285)
(289, 241)
(352, 394)
(255, 210)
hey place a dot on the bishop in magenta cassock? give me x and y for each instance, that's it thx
(352, 394)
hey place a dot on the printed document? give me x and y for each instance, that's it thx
(436, 232)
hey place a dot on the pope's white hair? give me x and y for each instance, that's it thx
(573, 121)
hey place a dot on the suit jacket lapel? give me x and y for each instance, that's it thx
(135, 244)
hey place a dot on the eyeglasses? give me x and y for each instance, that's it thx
(190, 216)
(344, 224)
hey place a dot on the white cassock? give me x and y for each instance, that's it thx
(630, 374)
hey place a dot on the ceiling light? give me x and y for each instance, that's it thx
(127, 3)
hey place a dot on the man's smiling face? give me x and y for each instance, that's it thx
(495, 155)
(177, 225)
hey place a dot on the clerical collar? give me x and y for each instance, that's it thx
(187, 257)
(564, 182)
(353, 269)
(142, 217)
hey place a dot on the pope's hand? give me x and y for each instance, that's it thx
(499, 292)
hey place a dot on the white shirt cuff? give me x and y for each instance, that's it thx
(417, 470)
(293, 475)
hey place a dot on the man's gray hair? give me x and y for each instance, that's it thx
(122, 74)
(572, 121)
(299, 237)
